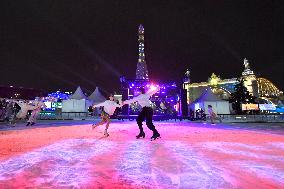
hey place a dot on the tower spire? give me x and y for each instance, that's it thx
(247, 70)
(141, 70)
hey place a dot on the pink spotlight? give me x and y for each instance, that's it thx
(153, 87)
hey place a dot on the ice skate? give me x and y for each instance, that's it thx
(94, 126)
(106, 134)
(155, 136)
(141, 134)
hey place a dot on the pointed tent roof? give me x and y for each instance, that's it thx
(97, 96)
(208, 95)
(78, 94)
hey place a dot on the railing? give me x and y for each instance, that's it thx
(224, 117)
(155, 117)
(253, 118)
(65, 115)
(88, 115)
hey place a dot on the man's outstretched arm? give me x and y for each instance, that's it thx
(98, 105)
(152, 91)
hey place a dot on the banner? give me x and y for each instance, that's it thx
(250, 107)
(267, 107)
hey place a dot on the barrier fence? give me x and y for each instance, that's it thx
(224, 117)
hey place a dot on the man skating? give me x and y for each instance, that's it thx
(146, 113)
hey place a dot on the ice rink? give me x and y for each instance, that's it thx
(189, 155)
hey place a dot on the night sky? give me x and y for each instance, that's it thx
(56, 44)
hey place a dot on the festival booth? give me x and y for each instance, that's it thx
(77, 104)
(209, 98)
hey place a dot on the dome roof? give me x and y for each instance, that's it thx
(266, 88)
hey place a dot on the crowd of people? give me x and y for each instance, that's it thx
(199, 114)
(8, 110)
(11, 111)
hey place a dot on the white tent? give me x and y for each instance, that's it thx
(78, 94)
(77, 102)
(209, 98)
(96, 96)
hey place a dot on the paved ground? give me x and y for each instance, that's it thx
(69, 154)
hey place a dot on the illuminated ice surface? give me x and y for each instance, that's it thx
(187, 156)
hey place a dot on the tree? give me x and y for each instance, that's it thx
(240, 96)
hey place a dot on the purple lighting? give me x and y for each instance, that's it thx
(153, 87)
(163, 88)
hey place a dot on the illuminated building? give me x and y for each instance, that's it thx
(267, 89)
(250, 81)
(58, 96)
(141, 71)
(257, 86)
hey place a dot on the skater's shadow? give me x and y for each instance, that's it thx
(102, 137)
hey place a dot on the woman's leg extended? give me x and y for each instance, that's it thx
(103, 121)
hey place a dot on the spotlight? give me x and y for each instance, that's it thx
(153, 87)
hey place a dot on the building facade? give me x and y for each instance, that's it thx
(257, 86)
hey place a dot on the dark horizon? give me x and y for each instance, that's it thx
(53, 45)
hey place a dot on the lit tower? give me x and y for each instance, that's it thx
(141, 70)
(250, 79)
